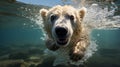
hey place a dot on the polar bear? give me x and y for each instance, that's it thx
(64, 27)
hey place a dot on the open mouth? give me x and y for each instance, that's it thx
(62, 41)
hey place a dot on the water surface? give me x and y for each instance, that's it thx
(22, 37)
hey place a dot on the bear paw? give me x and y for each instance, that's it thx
(51, 45)
(76, 56)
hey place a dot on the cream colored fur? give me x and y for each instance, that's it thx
(78, 35)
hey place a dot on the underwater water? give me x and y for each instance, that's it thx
(22, 37)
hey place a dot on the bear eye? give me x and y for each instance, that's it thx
(53, 18)
(71, 17)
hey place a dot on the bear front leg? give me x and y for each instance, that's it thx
(50, 44)
(78, 51)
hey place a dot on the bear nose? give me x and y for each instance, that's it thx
(61, 32)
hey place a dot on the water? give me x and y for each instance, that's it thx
(22, 37)
(100, 18)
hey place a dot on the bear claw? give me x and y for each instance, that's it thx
(51, 45)
(76, 56)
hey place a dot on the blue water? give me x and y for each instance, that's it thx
(20, 38)
(107, 38)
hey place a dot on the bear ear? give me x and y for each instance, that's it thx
(43, 13)
(82, 12)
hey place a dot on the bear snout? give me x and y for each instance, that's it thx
(61, 32)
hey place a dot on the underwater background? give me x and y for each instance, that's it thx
(22, 38)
